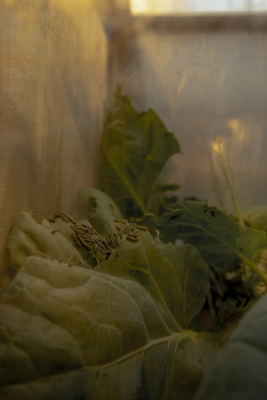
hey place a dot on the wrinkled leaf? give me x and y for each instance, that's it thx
(71, 333)
(219, 238)
(118, 331)
(135, 148)
(51, 240)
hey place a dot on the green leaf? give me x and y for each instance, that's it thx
(102, 212)
(135, 148)
(72, 333)
(176, 276)
(118, 331)
(239, 371)
(166, 187)
(219, 238)
(257, 217)
(50, 240)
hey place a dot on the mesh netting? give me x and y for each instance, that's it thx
(52, 80)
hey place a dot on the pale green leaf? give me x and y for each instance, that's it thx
(73, 333)
(101, 211)
(51, 240)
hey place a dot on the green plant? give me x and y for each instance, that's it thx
(126, 303)
(118, 330)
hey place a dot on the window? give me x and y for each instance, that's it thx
(197, 6)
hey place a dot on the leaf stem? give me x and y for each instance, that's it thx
(218, 148)
(126, 183)
(255, 268)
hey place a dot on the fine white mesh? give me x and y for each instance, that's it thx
(52, 91)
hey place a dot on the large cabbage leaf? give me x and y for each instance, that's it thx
(135, 148)
(117, 331)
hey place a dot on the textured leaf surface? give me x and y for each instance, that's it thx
(53, 240)
(239, 372)
(135, 148)
(70, 333)
(219, 238)
(117, 331)
(175, 275)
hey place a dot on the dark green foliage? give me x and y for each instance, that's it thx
(135, 148)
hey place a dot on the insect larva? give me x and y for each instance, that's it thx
(62, 217)
(76, 229)
(128, 227)
(134, 232)
(143, 228)
(95, 245)
(76, 239)
(133, 238)
(123, 221)
(82, 241)
(85, 236)
(116, 238)
(103, 245)
(101, 250)
(108, 248)
(88, 230)
(78, 236)
(72, 219)
(54, 231)
(94, 238)
(87, 242)
(68, 218)
(105, 239)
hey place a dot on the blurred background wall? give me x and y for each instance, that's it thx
(206, 76)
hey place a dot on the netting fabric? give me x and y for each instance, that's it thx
(52, 89)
